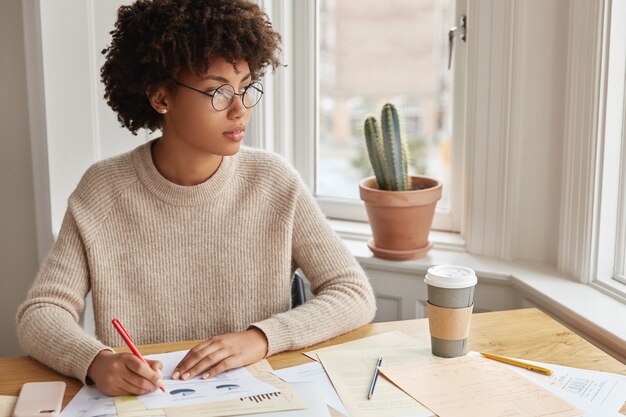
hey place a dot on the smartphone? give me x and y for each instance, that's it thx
(39, 399)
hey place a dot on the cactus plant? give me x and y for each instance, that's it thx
(400, 223)
(387, 150)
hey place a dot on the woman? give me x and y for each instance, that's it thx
(189, 236)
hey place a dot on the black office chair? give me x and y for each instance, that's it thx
(298, 296)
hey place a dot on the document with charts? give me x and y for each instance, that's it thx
(232, 384)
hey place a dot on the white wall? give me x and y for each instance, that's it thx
(80, 128)
(18, 245)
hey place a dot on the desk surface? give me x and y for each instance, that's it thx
(527, 333)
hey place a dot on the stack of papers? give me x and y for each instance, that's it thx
(313, 406)
(348, 368)
(476, 386)
(249, 390)
(473, 385)
(287, 399)
(351, 373)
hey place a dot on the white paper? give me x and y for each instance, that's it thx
(313, 372)
(169, 360)
(90, 402)
(597, 393)
(590, 409)
(7, 402)
(232, 384)
(602, 389)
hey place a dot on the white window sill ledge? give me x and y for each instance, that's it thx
(598, 317)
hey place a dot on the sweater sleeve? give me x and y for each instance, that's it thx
(344, 299)
(47, 322)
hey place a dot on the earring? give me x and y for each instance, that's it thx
(163, 111)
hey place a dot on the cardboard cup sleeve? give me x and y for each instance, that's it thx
(449, 323)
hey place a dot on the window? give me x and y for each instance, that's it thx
(366, 56)
(616, 184)
(611, 251)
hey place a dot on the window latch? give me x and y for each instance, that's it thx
(452, 33)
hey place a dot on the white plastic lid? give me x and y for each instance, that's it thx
(450, 276)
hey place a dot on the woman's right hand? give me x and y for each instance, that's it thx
(118, 374)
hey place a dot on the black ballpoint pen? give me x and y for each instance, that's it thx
(374, 378)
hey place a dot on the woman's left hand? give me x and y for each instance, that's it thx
(221, 353)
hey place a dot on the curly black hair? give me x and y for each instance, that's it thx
(154, 40)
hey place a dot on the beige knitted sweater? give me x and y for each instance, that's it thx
(190, 262)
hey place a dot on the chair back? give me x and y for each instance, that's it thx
(298, 296)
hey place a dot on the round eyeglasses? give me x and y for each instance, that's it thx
(222, 97)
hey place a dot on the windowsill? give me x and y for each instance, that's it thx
(588, 311)
(360, 231)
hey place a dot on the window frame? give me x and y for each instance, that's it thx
(611, 198)
(620, 247)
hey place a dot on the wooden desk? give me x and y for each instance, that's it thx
(528, 334)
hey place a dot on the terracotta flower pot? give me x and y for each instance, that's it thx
(400, 220)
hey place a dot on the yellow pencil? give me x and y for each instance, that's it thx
(521, 364)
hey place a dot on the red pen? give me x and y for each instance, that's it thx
(129, 342)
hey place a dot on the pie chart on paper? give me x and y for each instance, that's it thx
(182, 392)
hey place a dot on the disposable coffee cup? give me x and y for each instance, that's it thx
(450, 305)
